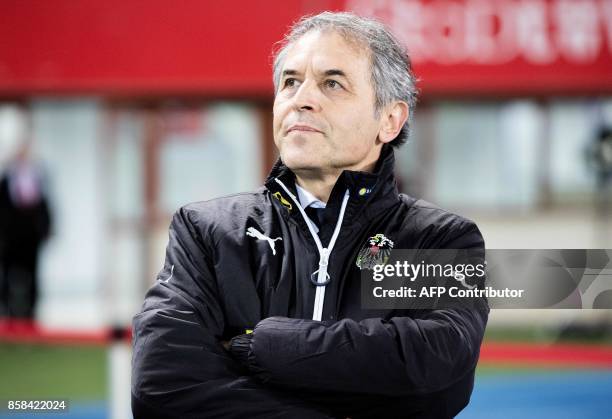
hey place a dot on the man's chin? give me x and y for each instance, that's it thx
(296, 159)
(301, 165)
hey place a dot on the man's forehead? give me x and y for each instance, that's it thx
(325, 50)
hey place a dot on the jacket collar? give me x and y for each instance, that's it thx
(370, 193)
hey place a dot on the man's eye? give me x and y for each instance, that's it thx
(290, 82)
(333, 84)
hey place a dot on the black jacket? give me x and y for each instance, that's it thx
(218, 282)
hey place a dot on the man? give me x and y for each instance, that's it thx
(25, 222)
(257, 312)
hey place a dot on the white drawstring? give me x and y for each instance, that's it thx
(324, 252)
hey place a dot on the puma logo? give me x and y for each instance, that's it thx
(252, 232)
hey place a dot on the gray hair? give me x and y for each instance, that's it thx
(392, 75)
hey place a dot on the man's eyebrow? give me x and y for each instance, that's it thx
(335, 72)
(330, 72)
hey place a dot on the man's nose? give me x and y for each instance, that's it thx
(306, 98)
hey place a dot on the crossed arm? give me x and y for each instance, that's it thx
(179, 368)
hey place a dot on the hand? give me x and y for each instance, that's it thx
(239, 348)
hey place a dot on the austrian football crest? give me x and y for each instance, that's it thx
(375, 252)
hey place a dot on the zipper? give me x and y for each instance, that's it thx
(321, 274)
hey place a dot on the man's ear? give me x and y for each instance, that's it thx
(393, 118)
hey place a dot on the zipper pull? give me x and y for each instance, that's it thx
(324, 258)
(320, 277)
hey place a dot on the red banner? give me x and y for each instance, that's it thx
(216, 49)
(503, 46)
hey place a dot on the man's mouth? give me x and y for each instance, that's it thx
(302, 128)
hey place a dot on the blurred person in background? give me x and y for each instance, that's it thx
(257, 311)
(25, 222)
(601, 157)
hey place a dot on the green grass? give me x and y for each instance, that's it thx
(52, 371)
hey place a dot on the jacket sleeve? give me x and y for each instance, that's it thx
(399, 356)
(179, 367)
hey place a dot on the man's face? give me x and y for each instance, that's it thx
(324, 118)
